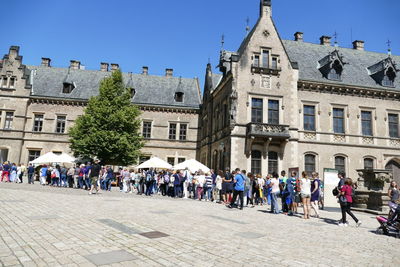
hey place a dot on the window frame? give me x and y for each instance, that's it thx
(62, 126)
(366, 131)
(368, 159)
(146, 130)
(310, 167)
(312, 127)
(33, 157)
(256, 111)
(8, 122)
(183, 127)
(344, 163)
(273, 114)
(393, 127)
(256, 162)
(273, 164)
(38, 121)
(171, 160)
(336, 118)
(172, 129)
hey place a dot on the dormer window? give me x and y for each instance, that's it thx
(384, 72)
(388, 79)
(331, 66)
(132, 91)
(336, 71)
(68, 87)
(178, 97)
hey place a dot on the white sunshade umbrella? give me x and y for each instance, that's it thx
(46, 158)
(65, 158)
(192, 165)
(155, 163)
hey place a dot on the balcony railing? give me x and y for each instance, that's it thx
(268, 130)
(265, 69)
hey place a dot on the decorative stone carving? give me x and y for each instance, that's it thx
(339, 139)
(265, 81)
(394, 142)
(233, 108)
(310, 136)
(368, 140)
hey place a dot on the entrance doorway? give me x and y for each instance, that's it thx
(3, 155)
(394, 166)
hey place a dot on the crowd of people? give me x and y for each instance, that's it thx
(236, 189)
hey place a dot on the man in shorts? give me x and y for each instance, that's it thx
(94, 173)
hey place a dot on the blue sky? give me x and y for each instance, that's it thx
(180, 34)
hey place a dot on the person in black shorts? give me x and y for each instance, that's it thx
(227, 186)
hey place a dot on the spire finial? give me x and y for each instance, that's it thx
(247, 25)
(389, 43)
(335, 35)
(222, 41)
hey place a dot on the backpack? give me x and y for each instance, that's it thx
(166, 178)
(149, 176)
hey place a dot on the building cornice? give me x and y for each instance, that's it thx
(350, 90)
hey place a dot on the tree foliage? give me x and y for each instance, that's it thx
(110, 126)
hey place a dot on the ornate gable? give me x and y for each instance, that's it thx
(384, 72)
(332, 66)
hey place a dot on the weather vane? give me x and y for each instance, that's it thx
(389, 47)
(222, 40)
(335, 35)
(247, 25)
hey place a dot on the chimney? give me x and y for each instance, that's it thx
(169, 72)
(46, 62)
(145, 70)
(114, 66)
(298, 36)
(358, 45)
(104, 66)
(265, 8)
(325, 40)
(75, 64)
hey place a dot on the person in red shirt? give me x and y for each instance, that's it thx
(346, 199)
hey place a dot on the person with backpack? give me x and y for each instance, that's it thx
(345, 200)
(149, 181)
(239, 181)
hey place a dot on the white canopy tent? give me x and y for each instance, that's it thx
(50, 157)
(155, 163)
(192, 165)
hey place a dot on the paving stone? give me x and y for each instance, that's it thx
(154, 234)
(119, 226)
(110, 257)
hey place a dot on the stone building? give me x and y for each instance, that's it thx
(39, 103)
(280, 104)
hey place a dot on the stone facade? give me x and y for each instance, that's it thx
(288, 102)
(36, 112)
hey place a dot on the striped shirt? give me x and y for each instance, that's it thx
(209, 181)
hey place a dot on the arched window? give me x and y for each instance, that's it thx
(309, 163)
(272, 162)
(368, 164)
(388, 79)
(336, 71)
(256, 162)
(340, 163)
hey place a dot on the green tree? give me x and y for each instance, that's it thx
(109, 128)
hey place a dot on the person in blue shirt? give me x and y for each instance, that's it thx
(31, 171)
(238, 189)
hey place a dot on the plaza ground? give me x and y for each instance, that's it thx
(45, 226)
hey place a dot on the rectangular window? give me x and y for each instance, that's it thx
(180, 160)
(12, 82)
(309, 164)
(38, 123)
(171, 160)
(309, 118)
(182, 132)
(9, 120)
(273, 111)
(256, 110)
(366, 123)
(172, 131)
(143, 159)
(33, 154)
(338, 120)
(274, 64)
(4, 82)
(265, 58)
(394, 125)
(146, 129)
(256, 62)
(60, 125)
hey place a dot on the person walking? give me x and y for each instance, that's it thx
(200, 180)
(31, 172)
(43, 175)
(345, 200)
(209, 186)
(315, 190)
(393, 193)
(239, 180)
(305, 192)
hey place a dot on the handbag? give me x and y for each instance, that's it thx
(335, 191)
(342, 199)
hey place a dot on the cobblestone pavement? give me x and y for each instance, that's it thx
(43, 226)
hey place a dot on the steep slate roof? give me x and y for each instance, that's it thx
(150, 90)
(354, 72)
(216, 79)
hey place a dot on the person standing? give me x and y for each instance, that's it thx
(70, 177)
(200, 180)
(238, 190)
(290, 185)
(274, 193)
(186, 181)
(393, 193)
(43, 175)
(227, 186)
(94, 173)
(23, 171)
(13, 173)
(6, 172)
(315, 190)
(31, 172)
(305, 192)
(81, 178)
(209, 186)
(63, 176)
(149, 181)
(218, 187)
(345, 200)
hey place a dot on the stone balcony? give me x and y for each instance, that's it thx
(265, 70)
(275, 131)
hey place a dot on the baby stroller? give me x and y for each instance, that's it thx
(390, 225)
